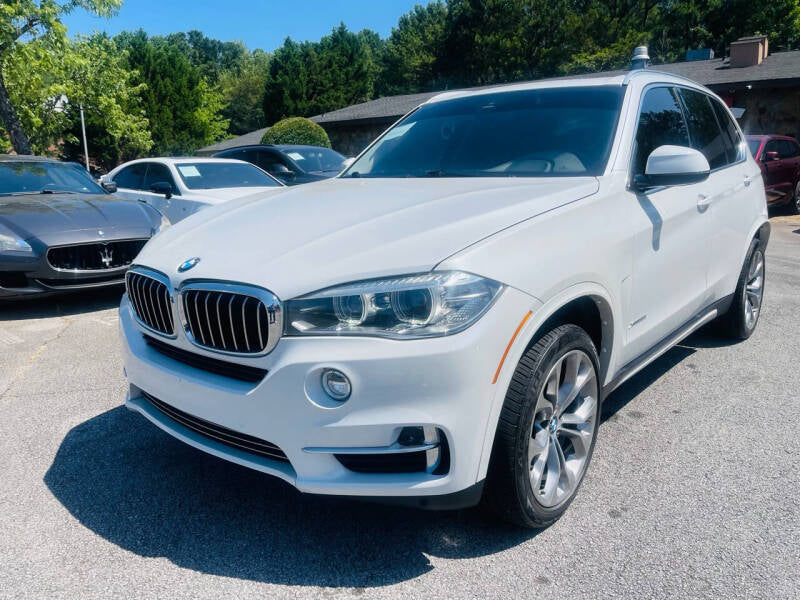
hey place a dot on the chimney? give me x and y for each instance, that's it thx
(749, 51)
(640, 58)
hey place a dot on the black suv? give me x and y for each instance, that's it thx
(291, 164)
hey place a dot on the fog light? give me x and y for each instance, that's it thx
(336, 384)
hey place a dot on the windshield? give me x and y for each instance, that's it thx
(215, 175)
(39, 177)
(528, 133)
(316, 159)
(753, 143)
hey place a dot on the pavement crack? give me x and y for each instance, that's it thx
(21, 371)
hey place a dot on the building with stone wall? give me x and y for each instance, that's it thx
(764, 93)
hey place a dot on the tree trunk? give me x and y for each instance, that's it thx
(14, 128)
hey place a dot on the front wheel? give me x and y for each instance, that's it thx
(794, 205)
(547, 429)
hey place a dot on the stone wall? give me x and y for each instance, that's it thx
(770, 110)
(350, 140)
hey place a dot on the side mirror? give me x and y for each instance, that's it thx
(109, 186)
(162, 187)
(673, 165)
(771, 155)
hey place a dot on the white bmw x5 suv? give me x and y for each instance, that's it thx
(439, 324)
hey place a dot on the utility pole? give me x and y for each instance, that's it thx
(85, 146)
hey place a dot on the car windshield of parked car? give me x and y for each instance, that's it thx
(39, 177)
(753, 144)
(316, 160)
(216, 175)
(547, 132)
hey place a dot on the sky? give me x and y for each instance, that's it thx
(258, 23)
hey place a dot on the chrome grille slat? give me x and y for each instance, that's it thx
(244, 323)
(208, 321)
(151, 302)
(243, 332)
(230, 320)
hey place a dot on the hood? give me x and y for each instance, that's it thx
(225, 194)
(49, 216)
(313, 236)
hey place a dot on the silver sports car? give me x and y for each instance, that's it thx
(61, 231)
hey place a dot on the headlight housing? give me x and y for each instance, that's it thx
(14, 245)
(405, 307)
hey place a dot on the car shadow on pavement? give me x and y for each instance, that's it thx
(148, 493)
(629, 390)
(62, 305)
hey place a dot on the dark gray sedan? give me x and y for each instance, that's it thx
(61, 231)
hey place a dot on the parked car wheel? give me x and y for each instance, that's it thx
(547, 429)
(741, 319)
(794, 205)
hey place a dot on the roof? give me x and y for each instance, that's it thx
(26, 158)
(779, 67)
(248, 139)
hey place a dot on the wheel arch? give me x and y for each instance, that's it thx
(588, 305)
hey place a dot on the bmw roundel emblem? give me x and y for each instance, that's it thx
(188, 264)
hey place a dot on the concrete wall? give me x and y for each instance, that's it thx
(351, 139)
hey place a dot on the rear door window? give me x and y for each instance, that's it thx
(704, 131)
(788, 149)
(661, 123)
(735, 149)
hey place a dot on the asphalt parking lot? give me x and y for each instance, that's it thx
(692, 491)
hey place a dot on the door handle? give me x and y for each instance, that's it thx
(748, 179)
(703, 201)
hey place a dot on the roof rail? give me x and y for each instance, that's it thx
(635, 72)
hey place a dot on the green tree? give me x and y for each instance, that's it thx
(296, 130)
(48, 87)
(212, 57)
(242, 88)
(25, 20)
(309, 78)
(183, 109)
(411, 59)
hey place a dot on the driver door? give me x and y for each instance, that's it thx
(672, 234)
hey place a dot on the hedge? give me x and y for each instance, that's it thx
(296, 130)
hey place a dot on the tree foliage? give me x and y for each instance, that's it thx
(308, 78)
(296, 130)
(22, 21)
(48, 90)
(182, 107)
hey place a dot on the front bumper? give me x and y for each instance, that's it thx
(444, 383)
(28, 276)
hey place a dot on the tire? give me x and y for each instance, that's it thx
(541, 451)
(794, 204)
(740, 321)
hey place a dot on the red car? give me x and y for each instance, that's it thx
(779, 159)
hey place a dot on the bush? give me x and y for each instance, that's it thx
(296, 130)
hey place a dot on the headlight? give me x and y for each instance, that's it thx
(9, 243)
(412, 306)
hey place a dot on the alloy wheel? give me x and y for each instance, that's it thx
(754, 288)
(563, 428)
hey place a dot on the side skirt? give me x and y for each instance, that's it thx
(706, 315)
